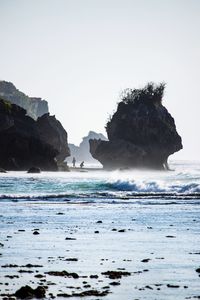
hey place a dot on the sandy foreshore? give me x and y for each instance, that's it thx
(70, 249)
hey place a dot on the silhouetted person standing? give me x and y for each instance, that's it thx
(82, 164)
(74, 162)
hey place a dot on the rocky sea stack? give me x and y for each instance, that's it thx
(141, 133)
(26, 143)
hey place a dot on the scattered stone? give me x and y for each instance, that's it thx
(63, 274)
(27, 292)
(115, 274)
(10, 266)
(96, 231)
(145, 260)
(121, 230)
(173, 286)
(170, 236)
(70, 239)
(25, 271)
(94, 293)
(115, 283)
(198, 270)
(32, 266)
(148, 287)
(11, 276)
(99, 222)
(87, 286)
(71, 259)
(39, 276)
(36, 232)
(94, 276)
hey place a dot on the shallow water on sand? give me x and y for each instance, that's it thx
(150, 228)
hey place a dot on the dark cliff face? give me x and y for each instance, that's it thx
(141, 133)
(52, 132)
(35, 107)
(21, 144)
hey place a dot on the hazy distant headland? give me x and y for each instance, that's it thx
(141, 133)
(35, 107)
(82, 152)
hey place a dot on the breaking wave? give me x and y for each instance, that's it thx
(75, 187)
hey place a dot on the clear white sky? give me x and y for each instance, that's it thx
(79, 54)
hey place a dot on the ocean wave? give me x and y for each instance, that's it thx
(100, 187)
(154, 187)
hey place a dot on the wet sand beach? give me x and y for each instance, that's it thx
(94, 250)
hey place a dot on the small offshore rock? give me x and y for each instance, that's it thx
(34, 170)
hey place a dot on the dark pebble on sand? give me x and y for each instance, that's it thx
(198, 270)
(71, 259)
(148, 287)
(94, 293)
(115, 274)
(94, 276)
(10, 266)
(173, 286)
(114, 283)
(39, 276)
(145, 260)
(36, 232)
(25, 271)
(27, 292)
(63, 274)
(87, 286)
(11, 276)
(31, 266)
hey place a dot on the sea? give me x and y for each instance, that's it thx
(180, 185)
(92, 222)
